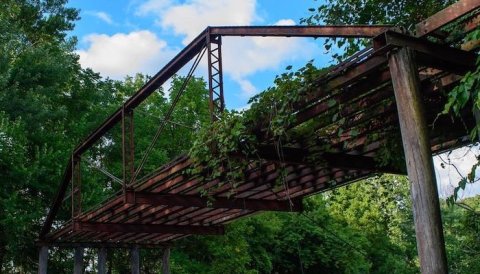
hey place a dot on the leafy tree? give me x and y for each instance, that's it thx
(403, 13)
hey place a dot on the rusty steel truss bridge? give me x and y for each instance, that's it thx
(370, 85)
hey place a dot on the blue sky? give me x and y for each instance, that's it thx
(119, 38)
(124, 37)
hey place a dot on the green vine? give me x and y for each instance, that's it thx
(466, 92)
(239, 133)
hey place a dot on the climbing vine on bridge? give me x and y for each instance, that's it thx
(228, 146)
(467, 93)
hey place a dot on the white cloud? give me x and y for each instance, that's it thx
(285, 22)
(456, 163)
(193, 16)
(242, 57)
(153, 6)
(247, 87)
(105, 17)
(125, 54)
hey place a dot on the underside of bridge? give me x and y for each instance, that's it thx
(373, 88)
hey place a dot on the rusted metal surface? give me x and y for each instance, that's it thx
(154, 199)
(343, 31)
(430, 54)
(128, 147)
(446, 16)
(147, 228)
(172, 198)
(215, 76)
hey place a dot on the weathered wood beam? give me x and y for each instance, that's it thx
(446, 16)
(418, 155)
(215, 202)
(147, 228)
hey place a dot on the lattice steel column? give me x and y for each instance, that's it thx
(128, 148)
(76, 187)
(215, 76)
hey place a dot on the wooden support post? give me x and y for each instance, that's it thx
(418, 156)
(43, 260)
(166, 261)
(78, 261)
(102, 260)
(135, 260)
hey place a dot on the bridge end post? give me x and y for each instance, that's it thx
(418, 156)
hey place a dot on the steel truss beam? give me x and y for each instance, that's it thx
(428, 53)
(215, 76)
(215, 202)
(100, 244)
(147, 228)
(446, 16)
(299, 156)
(342, 31)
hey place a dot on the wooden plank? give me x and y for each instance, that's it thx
(418, 155)
(446, 16)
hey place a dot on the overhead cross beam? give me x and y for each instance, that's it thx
(341, 31)
(147, 228)
(215, 202)
(431, 54)
(446, 16)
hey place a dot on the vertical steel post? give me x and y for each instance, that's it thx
(166, 261)
(128, 148)
(418, 156)
(76, 187)
(135, 260)
(78, 261)
(43, 259)
(102, 260)
(215, 76)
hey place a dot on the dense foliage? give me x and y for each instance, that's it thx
(48, 103)
(402, 13)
